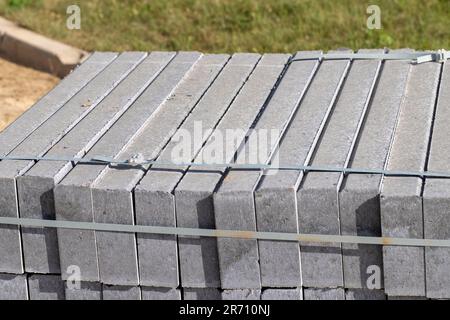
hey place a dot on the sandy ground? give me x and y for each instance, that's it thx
(20, 88)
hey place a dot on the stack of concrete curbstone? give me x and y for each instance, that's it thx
(370, 114)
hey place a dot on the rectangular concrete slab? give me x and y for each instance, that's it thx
(155, 293)
(316, 201)
(13, 287)
(121, 292)
(400, 198)
(40, 246)
(323, 294)
(234, 202)
(42, 110)
(201, 294)
(436, 197)
(241, 294)
(153, 197)
(85, 291)
(275, 197)
(73, 195)
(46, 287)
(112, 197)
(37, 144)
(39, 181)
(358, 199)
(282, 294)
(193, 196)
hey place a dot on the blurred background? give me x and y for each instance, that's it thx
(228, 26)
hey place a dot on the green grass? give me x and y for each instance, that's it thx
(239, 25)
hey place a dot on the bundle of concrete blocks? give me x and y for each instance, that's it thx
(367, 114)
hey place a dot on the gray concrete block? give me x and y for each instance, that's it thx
(46, 287)
(13, 287)
(282, 294)
(37, 144)
(234, 201)
(359, 195)
(42, 110)
(154, 201)
(39, 181)
(86, 291)
(436, 198)
(154, 293)
(317, 201)
(112, 198)
(364, 294)
(323, 294)
(73, 195)
(400, 198)
(241, 294)
(275, 197)
(121, 292)
(193, 196)
(201, 294)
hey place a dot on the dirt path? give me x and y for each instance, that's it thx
(20, 88)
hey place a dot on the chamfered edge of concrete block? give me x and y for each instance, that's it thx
(282, 294)
(121, 292)
(158, 293)
(241, 294)
(13, 287)
(323, 294)
(201, 294)
(83, 291)
(46, 287)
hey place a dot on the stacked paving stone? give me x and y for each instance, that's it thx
(369, 114)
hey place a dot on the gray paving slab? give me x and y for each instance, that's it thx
(323, 294)
(112, 197)
(193, 196)
(46, 287)
(321, 264)
(42, 110)
(201, 294)
(86, 291)
(73, 195)
(364, 294)
(39, 181)
(241, 294)
(37, 144)
(234, 202)
(153, 197)
(400, 198)
(436, 197)
(359, 196)
(13, 287)
(155, 293)
(275, 197)
(121, 292)
(282, 294)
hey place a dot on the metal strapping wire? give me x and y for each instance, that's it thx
(195, 232)
(139, 160)
(416, 57)
(214, 233)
